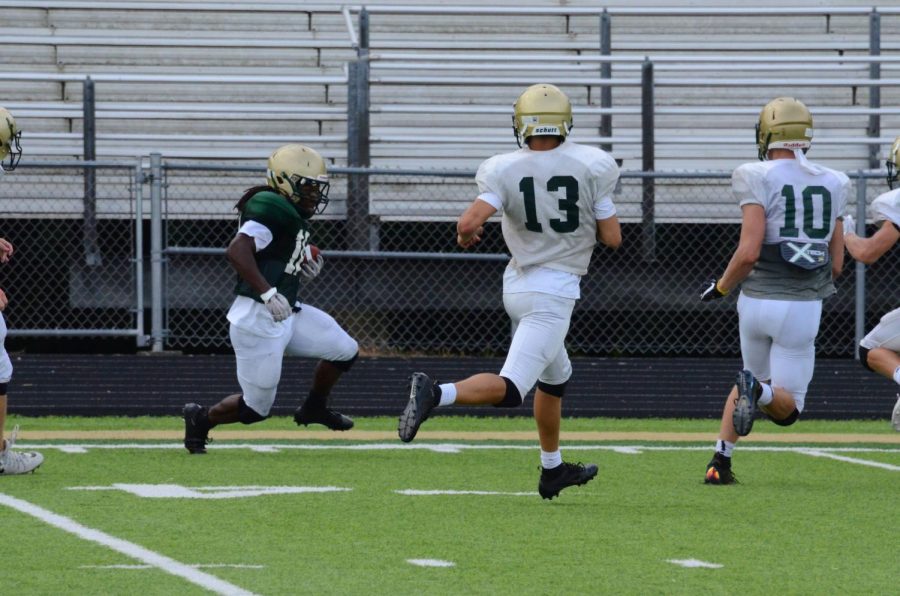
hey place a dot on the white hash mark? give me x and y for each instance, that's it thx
(431, 563)
(695, 563)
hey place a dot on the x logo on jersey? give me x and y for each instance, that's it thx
(801, 252)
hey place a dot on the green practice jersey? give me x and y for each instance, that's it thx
(279, 262)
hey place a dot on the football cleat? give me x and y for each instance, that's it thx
(553, 480)
(421, 402)
(13, 463)
(718, 470)
(196, 433)
(307, 414)
(895, 415)
(749, 391)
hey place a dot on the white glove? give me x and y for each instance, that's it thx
(309, 268)
(849, 225)
(277, 305)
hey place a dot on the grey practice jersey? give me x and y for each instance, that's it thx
(548, 202)
(802, 200)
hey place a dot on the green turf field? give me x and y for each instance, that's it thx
(305, 516)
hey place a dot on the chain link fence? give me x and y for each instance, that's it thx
(394, 276)
(73, 228)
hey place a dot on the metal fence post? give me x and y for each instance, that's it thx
(874, 128)
(648, 198)
(92, 255)
(359, 237)
(605, 73)
(860, 304)
(156, 253)
(139, 180)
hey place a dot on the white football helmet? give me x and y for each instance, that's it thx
(299, 173)
(784, 123)
(893, 160)
(541, 110)
(10, 137)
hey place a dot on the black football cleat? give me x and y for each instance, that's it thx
(718, 470)
(421, 402)
(749, 391)
(196, 433)
(307, 415)
(564, 475)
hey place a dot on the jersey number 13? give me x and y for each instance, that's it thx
(567, 206)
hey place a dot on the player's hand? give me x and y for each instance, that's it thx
(3, 300)
(712, 291)
(6, 250)
(472, 240)
(277, 305)
(311, 268)
(849, 225)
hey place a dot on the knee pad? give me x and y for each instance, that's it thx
(792, 418)
(246, 414)
(864, 358)
(512, 399)
(343, 365)
(554, 390)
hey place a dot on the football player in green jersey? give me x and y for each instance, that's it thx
(269, 253)
(11, 462)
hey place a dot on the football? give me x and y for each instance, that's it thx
(312, 253)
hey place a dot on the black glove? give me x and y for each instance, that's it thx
(712, 291)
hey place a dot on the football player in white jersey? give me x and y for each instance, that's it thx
(791, 248)
(879, 351)
(11, 462)
(555, 197)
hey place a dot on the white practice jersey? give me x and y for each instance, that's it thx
(887, 207)
(802, 200)
(548, 202)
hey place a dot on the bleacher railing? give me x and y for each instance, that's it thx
(154, 269)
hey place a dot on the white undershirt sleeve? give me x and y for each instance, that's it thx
(604, 208)
(262, 236)
(492, 200)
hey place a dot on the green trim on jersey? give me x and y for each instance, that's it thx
(279, 262)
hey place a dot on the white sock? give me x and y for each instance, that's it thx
(767, 395)
(724, 447)
(897, 375)
(448, 394)
(551, 459)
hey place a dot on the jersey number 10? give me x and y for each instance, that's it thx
(813, 196)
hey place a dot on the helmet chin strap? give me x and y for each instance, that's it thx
(807, 165)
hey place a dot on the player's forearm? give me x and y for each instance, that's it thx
(739, 267)
(243, 262)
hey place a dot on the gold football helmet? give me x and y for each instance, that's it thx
(10, 136)
(541, 110)
(784, 123)
(892, 162)
(299, 173)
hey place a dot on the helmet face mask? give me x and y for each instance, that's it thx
(300, 174)
(541, 110)
(893, 160)
(784, 123)
(10, 142)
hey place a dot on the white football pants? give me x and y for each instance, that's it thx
(6, 368)
(886, 334)
(310, 333)
(778, 341)
(540, 323)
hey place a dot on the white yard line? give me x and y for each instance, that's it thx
(129, 549)
(427, 493)
(850, 460)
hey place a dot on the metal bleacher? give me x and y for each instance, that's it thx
(227, 81)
